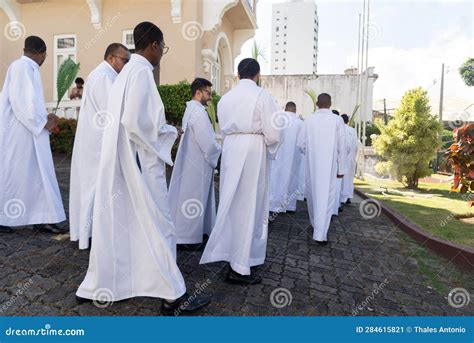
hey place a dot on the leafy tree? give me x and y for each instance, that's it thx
(467, 72)
(410, 139)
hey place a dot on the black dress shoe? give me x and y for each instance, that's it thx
(291, 212)
(5, 229)
(322, 242)
(348, 201)
(186, 304)
(239, 279)
(53, 228)
(340, 209)
(81, 300)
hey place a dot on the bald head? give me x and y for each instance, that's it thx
(324, 100)
(117, 55)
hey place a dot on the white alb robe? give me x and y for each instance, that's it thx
(93, 120)
(191, 193)
(250, 134)
(337, 202)
(301, 177)
(323, 144)
(352, 146)
(134, 249)
(285, 169)
(29, 191)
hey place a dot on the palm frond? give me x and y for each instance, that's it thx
(66, 75)
(312, 94)
(211, 111)
(258, 51)
(352, 119)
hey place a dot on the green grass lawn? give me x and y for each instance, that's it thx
(433, 207)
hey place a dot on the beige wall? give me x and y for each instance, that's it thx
(54, 17)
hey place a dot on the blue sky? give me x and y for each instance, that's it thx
(408, 42)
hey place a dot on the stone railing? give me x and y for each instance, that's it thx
(67, 108)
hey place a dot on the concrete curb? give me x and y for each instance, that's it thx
(459, 254)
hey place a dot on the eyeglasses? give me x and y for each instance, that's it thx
(165, 48)
(207, 91)
(124, 59)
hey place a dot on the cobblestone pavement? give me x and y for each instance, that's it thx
(369, 268)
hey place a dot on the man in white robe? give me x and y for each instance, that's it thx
(301, 175)
(285, 169)
(134, 245)
(29, 188)
(92, 122)
(191, 192)
(337, 207)
(352, 146)
(323, 143)
(250, 126)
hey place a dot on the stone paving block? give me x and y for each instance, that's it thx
(322, 280)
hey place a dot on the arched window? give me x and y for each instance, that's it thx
(216, 74)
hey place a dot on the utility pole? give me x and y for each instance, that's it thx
(441, 95)
(385, 118)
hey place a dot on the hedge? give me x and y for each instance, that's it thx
(174, 98)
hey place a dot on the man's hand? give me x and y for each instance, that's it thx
(340, 176)
(52, 123)
(180, 132)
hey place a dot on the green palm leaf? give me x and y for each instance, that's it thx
(258, 51)
(66, 75)
(211, 111)
(312, 94)
(351, 121)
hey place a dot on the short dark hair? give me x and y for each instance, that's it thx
(199, 84)
(145, 34)
(79, 80)
(290, 105)
(113, 48)
(35, 45)
(336, 112)
(324, 100)
(248, 68)
(345, 117)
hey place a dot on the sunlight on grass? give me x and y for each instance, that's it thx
(433, 207)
